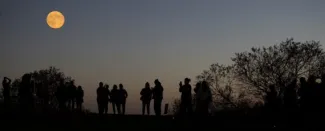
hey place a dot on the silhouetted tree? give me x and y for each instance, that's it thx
(50, 79)
(279, 64)
(226, 91)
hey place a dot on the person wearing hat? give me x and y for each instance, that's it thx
(186, 97)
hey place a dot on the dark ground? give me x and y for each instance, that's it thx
(76, 121)
(136, 122)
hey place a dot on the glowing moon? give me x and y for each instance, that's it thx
(55, 19)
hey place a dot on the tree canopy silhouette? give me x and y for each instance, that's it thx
(279, 64)
(49, 79)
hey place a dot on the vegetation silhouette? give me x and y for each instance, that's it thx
(266, 87)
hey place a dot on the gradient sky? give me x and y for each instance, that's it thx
(134, 41)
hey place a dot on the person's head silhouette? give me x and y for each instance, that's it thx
(302, 80)
(4, 80)
(106, 86)
(115, 87)
(187, 81)
(157, 83)
(205, 85)
(198, 85)
(26, 78)
(100, 84)
(147, 85)
(79, 88)
(121, 86)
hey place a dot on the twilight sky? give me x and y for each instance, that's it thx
(134, 41)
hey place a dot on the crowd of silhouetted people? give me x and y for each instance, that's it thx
(70, 97)
(306, 96)
(66, 95)
(305, 101)
(117, 98)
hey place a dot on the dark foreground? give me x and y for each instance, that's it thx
(131, 122)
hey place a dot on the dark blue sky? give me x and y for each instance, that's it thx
(134, 41)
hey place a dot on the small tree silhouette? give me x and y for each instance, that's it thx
(224, 87)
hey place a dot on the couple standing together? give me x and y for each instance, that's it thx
(116, 96)
(155, 93)
(203, 98)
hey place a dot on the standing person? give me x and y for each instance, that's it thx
(303, 93)
(6, 91)
(186, 97)
(123, 95)
(290, 96)
(146, 95)
(61, 95)
(271, 104)
(107, 93)
(72, 95)
(79, 98)
(115, 100)
(25, 93)
(101, 98)
(203, 98)
(158, 97)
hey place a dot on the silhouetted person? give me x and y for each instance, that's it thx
(290, 102)
(101, 98)
(312, 103)
(72, 89)
(303, 93)
(6, 92)
(146, 95)
(123, 95)
(61, 95)
(203, 98)
(79, 98)
(158, 97)
(322, 92)
(290, 96)
(312, 99)
(115, 100)
(271, 104)
(107, 93)
(25, 93)
(186, 97)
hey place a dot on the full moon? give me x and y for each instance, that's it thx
(55, 19)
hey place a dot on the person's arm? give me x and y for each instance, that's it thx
(9, 80)
(195, 89)
(126, 94)
(210, 96)
(180, 87)
(141, 92)
(82, 93)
